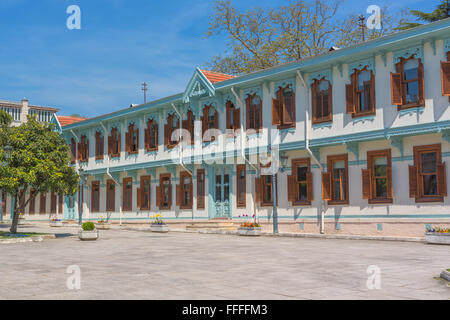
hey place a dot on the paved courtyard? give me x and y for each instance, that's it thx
(144, 265)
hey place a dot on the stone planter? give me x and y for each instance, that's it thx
(249, 231)
(102, 226)
(159, 228)
(445, 275)
(88, 235)
(437, 238)
(56, 223)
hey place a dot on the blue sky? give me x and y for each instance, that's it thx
(122, 43)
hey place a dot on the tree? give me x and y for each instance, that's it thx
(442, 11)
(39, 160)
(5, 119)
(261, 38)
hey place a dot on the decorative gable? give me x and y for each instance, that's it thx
(199, 86)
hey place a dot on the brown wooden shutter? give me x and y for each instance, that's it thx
(310, 186)
(276, 121)
(258, 190)
(314, 101)
(156, 136)
(146, 138)
(166, 134)
(291, 188)
(289, 111)
(109, 145)
(170, 195)
(179, 194)
(237, 118)
(350, 106)
(216, 120)
(442, 179)
(413, 182)
(390, 193)
(158, 197)
(118, 143)
(137, 140)
(366, 182)
(200, 189)
(445, 78)
(396, 89)
(247, 113)
(326, 186)
(372, 92)
(330, 102)
(139, 198)
(421, 83)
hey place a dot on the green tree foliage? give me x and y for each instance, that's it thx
(5, 119)
(442, 11)
(39, 160)
(261, 38)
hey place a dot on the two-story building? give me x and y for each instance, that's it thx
(363, 134)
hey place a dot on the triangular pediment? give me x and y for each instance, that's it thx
(199, 86)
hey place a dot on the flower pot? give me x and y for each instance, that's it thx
(56, 223)
(445, 275)
(159, 228)
(249, 231)
(437, 238)
(102, 226)
(88, 235)
(21, 221)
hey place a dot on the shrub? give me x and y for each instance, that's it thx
(88, 226)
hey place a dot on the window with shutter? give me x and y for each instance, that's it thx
(188, 125)
(73, 151)
(338, 171)
(241, 184)
(326, 186)
(210, 123)
(42, 203)
(427, 178)
(184, 191)
(301, 184)
(445, 78)
(377, 179)
(99, 145)
(254, 112)
(83, 149)
(360, 93)
(127, 189)
(110, 196)
(322, 101)
(31, 204)
(151, 136)
(258, 190)
(132, 139)
(95, 196)
(407, 84)
(165, 191)
(170, 129)
(145, 193)
(114, 143)
(200, 188)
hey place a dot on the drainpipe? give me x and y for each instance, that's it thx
(112, 178)
(323, 204)
(238, 99)
(180, 146)
(80, 185)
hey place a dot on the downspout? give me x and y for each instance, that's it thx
(77, 168)
(238, 99)
(180, 146)
(323, 204)
(112, 178)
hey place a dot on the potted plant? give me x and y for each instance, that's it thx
(88, 232)
(21, 219)
(158, 225)
(437, 236)
(252, 228)
(55, 222)
(102, 224)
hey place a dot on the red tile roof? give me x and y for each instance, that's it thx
(215, 77)
(66, 120)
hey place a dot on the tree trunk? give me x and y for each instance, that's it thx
(15, 216)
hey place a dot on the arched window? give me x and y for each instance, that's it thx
(283, 108)
(407, 85)
(210, 120)
(254, 112)
(151, 135)
(83, 149)
(73, 151)
(99, 145)
(114, 143)
(360, 93)
(132, 139)
(188, 125)
(322, 101)
(173, 123)
(233, 116)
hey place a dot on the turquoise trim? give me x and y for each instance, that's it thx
(319, 75)
(359, 65)
(406, 53)
(411, 111)
(379, 227)
(322, 125)
(369, 216)
(363, 119)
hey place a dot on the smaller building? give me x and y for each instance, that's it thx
(20, 110)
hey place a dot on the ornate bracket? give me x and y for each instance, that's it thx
(397, 142)
(316, 152)
(152, 172)
(446, 135)
(327, 74)
(353, 147)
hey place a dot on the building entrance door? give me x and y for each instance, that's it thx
(221, 193)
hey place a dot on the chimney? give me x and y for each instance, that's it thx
(24, 113)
